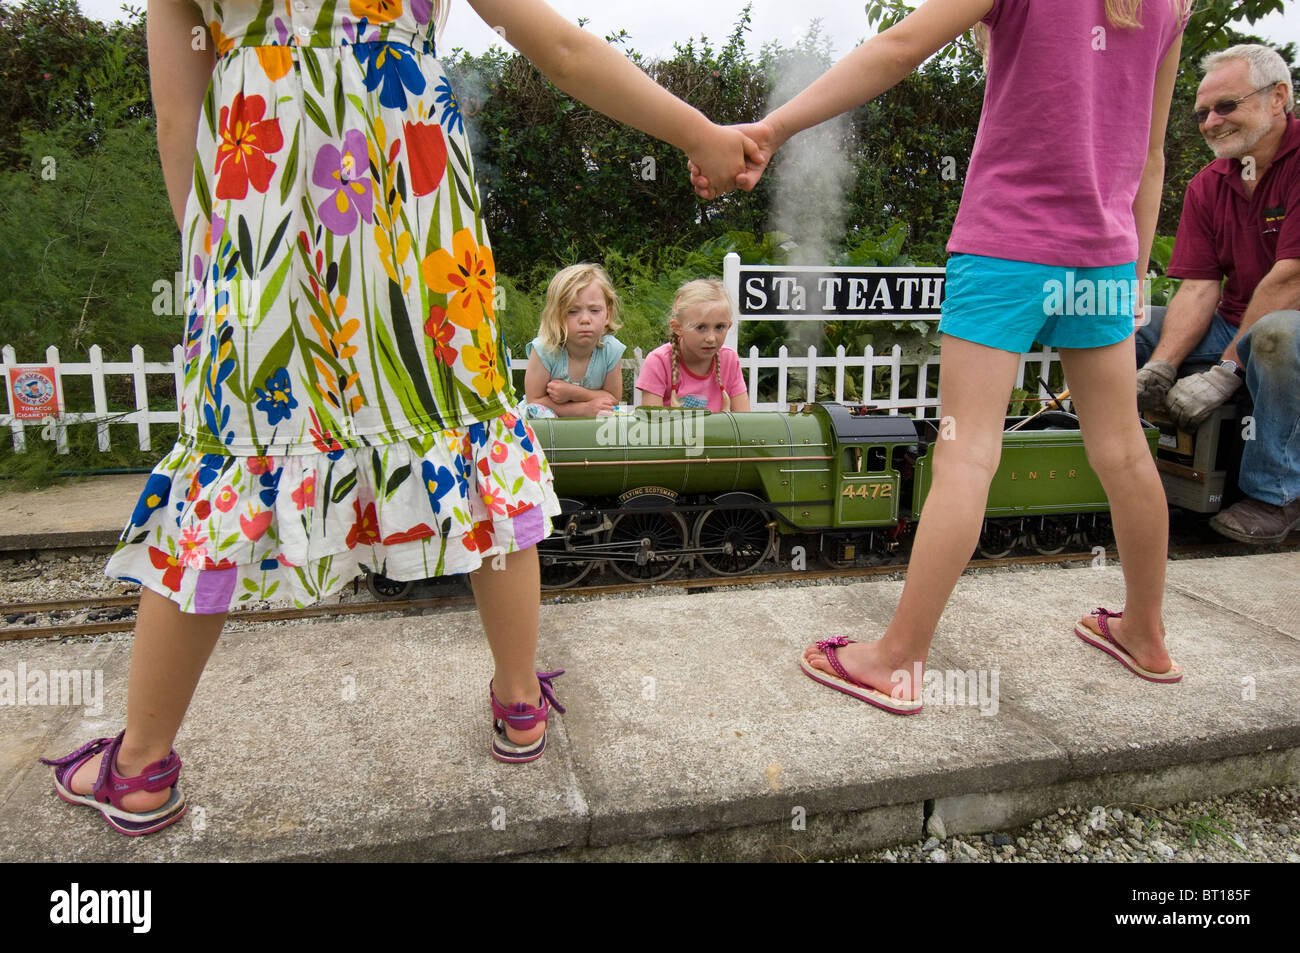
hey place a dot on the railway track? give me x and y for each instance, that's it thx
(126, 622)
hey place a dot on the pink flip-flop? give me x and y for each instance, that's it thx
(1106, 642)
(849, 685)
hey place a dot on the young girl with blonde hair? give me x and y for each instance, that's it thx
(1064, 182)
(694, 369)
(574, 367)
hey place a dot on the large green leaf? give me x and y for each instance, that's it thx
(289, 173)
(408, 349)
(313, 111)
(275, 243)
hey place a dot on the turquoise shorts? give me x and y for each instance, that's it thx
(1011, 304)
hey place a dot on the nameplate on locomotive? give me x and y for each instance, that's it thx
(648, 491)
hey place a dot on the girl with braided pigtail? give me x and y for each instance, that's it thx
(694, 370)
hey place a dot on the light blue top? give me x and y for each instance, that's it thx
(603, 360)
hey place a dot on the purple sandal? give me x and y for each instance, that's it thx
(521, 717)
(110, 788)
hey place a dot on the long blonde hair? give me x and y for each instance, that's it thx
(560, 295)
(1124, 14)
(704, 291)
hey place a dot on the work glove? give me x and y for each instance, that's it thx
(1193, 398)
(1153, 383)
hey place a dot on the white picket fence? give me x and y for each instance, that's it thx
(101, 415)
(789, 368)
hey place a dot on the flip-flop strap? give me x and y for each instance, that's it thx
(1102, 616)
(828, 647)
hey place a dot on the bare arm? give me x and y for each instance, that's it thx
(1188, 318)
(613, 384)
(535, 380)
(1146, 205)
(178, 78)
(1278, 291)
(740, 403)
(650, 400)
(588, 68)
(877, 65)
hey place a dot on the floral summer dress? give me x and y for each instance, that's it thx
(346, 399)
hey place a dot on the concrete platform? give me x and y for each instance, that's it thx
(691, 732)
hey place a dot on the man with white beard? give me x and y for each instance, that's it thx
(1240, 222)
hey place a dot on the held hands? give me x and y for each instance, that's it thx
(761, 143)
(729, 158)
(1193, 398)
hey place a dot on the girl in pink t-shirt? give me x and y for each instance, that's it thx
(1062, 190)
(694, 369)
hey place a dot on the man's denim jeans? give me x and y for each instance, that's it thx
(1270, 351)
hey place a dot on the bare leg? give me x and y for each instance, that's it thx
(1102, 383)
(169, 652)
(976, 384)
(508, 605)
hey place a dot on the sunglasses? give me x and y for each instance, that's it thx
(1226, 108)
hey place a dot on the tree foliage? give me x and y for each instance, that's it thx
(86, 245)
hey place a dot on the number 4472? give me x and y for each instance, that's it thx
(868, 491)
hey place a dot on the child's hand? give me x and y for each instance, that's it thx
(763, 138)
(560, 391)
(726, 159)
(597, 405)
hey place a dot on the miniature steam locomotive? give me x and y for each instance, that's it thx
(644, 493)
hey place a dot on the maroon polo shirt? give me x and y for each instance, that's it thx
(1224, 234)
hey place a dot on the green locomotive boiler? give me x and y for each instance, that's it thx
(643, 493)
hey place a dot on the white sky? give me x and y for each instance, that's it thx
(656, 24)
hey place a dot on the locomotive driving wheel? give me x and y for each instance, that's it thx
(736, 541)
(998, 539)
(659, 539)
(559, 567)
(1099, 532)
(1050, 536)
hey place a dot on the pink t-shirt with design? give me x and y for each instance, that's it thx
(656, 378)
(1063, 136)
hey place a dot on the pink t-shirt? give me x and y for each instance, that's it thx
(656, 378)
(1063, 136)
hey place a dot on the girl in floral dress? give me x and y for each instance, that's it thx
(345, 401)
